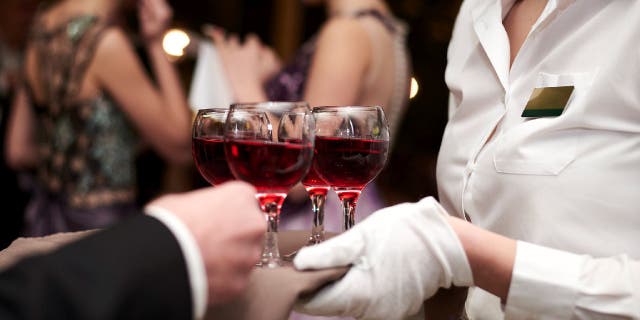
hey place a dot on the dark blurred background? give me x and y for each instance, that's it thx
(285, 24)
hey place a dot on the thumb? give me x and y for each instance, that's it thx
(339, 251)
(216, 34)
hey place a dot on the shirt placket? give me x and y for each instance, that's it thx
(494, 41)
(492, 36)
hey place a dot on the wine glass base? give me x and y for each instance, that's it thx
(269, 264)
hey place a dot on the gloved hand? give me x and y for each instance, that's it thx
(400, 256)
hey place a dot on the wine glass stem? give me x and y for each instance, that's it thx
(271, 253)
(349, 210)
(317, 206)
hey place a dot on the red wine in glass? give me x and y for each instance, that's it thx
(351, 147)
(207, 145)
(208, 154)
(313, 182)
(350, 162)
(270, 145)
(271, 167)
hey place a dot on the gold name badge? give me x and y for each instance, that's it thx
(547, 102)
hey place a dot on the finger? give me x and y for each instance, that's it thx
(266, 54)
(207, 29)
(140, 6)
(217, 35)
(144, 10)
(233, 41)
(163, 7)
(346, 296)
(147, 6)
(253, 40)
(238, 190)
(342, 250)
(327, 302)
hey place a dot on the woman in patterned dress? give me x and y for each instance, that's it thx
(85, 107)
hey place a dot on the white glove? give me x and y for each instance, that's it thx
(400, 256)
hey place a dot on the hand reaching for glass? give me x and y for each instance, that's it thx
(399, 257)
(228, 227)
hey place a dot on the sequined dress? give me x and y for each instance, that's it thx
(86, 177)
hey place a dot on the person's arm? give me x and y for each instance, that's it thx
(339, 65)
(536, 281)
(160, 113)
(168, 267)
(20, 148)
(491, 265)
(545, 283)
(435, 250)
(340, 61)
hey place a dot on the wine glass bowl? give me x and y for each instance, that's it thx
(207, 145)
(351, 148)
(270, 145)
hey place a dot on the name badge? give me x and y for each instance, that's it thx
(547, 102)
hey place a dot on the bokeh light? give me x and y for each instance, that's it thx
(415, 87)
(175, 41)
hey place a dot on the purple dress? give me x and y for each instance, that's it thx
(289, 85)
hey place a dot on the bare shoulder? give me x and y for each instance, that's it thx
(113, 40)
(341, 31)
(114, 51)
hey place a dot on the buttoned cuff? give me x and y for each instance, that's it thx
(544, 283)
(191, 252)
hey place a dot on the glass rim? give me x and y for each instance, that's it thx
(345, 108)
(215, 109)
(270, 104)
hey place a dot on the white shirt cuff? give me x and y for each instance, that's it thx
(191, 252)
(544, 284)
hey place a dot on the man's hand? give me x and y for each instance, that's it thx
(229, 229)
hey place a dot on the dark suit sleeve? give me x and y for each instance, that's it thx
(135, 270)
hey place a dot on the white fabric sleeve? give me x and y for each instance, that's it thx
(552, 284)
(191, 252)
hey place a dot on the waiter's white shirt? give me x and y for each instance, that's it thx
(566, 186)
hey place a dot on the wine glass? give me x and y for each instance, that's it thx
(317, 189)
(352, 145)
(270, 145)
(207, 145)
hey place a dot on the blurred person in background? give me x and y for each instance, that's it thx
(86, 105)
(358, 57)
(15, 17)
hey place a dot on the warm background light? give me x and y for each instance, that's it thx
(175, 41)
(414, 88)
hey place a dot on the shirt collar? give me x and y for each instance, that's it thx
(552, 8)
